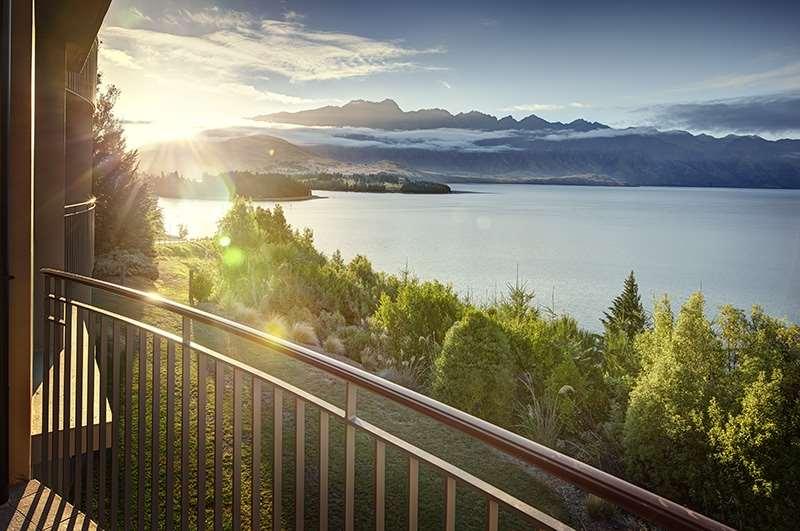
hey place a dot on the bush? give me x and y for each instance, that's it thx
(333, 345)
(541, 417)
(203, 281)
(277, 325)
(304, 333)
(415, 322)
(473, 371)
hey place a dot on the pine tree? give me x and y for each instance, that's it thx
(626, 313)
(127, 214)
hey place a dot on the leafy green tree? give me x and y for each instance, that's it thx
(667, 419)
(415, 322)
(626, 313)
(755, 431)
(127, 213)
(473, 372)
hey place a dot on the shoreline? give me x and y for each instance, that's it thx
(255, 199)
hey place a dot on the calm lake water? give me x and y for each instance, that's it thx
(572, 245)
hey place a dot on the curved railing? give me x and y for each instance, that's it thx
(63, 310)
(84, 83)
(79, 237)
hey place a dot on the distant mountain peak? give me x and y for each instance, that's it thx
(383, 104)
(387, 114)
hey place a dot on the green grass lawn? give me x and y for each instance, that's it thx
(446, 443)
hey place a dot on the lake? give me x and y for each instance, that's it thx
(573, 245)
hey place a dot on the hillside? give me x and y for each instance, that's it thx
(224, 150)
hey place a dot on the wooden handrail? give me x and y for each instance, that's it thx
(637, 500)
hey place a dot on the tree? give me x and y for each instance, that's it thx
(714, 417)
(417, 319)
(127, 213)
(474, 371)
(667, 419)
(626, 313)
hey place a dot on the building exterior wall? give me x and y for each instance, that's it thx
(21, 239)
(50, 161)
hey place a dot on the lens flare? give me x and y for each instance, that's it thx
(233, 257)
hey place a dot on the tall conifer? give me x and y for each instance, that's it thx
(626, 313)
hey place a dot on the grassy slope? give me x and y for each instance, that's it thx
(431, 436)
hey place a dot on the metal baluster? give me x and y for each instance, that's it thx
(202, 436)
(450, 504)
(413, 493)
(277, 457)
(255, 493)
(169, 517)
(237, 449)
(56, 470)
(155, 460)
(142, 433)
(116, 418)
(90, 424)
(186, 360)
(49, 332)
(102, 362)
(219, 394)
(169, 521)
(65, 443)
(170, 505)
(324, 424)
(350, 458)
(380, 485)
(79, 407)
(127, 498)
(300, 463)
(492, 514)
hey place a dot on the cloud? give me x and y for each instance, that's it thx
(119, 58)
(293, 16)
(445, 84)
(255, 95)
(544, 107)
(599, 133)
(136, 13)
(210, 18)
(228, 42)
(786, 77)
(776, 113)
(534, 107)
(430, 139)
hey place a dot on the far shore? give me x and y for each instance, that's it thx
(256, 199)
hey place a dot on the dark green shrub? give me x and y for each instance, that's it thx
(473, 372)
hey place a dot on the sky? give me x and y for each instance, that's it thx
(711, 67)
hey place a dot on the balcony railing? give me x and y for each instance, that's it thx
(84, 83)
(79, 237)
(159, 426)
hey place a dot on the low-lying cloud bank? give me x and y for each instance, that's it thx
(775, 114)
(444, 139)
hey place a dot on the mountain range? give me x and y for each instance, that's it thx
(387, 114)
(370, 137)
